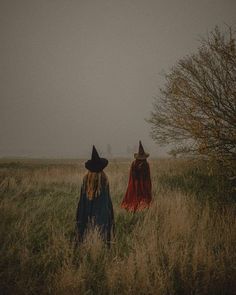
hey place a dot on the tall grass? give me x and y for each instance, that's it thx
(180, 245)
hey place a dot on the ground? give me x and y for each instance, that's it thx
(183, 244)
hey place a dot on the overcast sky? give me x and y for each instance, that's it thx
(76, 73)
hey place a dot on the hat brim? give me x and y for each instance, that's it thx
(96, 166)
(141, 157)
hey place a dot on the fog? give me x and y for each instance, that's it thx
(77, 73)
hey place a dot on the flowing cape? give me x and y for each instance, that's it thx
(139, 191)
(95, 212)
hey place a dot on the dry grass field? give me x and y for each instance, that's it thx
(183, 244)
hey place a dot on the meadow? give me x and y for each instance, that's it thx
(183, 244)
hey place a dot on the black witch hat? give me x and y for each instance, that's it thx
(96, 164)
(141, 155)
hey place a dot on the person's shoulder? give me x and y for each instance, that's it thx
(105, 178)
(84, 180)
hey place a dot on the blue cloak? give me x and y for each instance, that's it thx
(96, 212)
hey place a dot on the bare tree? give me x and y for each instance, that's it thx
(196, 109)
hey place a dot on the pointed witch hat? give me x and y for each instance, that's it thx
(96, 164)
(141, 155)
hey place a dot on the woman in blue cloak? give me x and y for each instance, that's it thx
(95, 206)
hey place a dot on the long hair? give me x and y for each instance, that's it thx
(93, 183)
(140, 169)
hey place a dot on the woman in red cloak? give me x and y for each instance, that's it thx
(139, 192)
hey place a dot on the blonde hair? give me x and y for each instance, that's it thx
(93, 183)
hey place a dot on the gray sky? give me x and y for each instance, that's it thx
(76, 73)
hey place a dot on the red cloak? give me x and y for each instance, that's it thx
(139, 191)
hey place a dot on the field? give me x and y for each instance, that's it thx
(183, 244)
